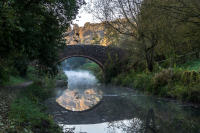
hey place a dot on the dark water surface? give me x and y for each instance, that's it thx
(86, 106)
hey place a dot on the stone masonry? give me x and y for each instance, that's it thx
(96, 53)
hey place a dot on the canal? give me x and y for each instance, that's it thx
(86, 106)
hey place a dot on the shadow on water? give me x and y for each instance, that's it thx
(110, 109)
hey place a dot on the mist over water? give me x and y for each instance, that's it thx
(89, 107)
(80, 78)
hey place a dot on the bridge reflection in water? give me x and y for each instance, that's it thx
(121, 110)
(79, 101)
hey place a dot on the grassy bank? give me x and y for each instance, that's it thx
(14, 80)
(181, 82)
(26, 112)
(32, 74)
(22, 109)
(94, 69)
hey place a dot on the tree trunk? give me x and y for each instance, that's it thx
(149, 53)
(150, 59)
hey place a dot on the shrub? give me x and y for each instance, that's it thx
(166, 64)
(163, 78)
(176, 75)
(13, 71)
(177, 92)
(156, 67)
(38, 82)
(24, 110)
(3, 74)
(100, 77)
(194, 95)
(61, 76)
(163, 91)
(40, 90)
(118, 80)
(35, 93)
(185, 95)
(127, 81)
(189, 77)
(144, 81)
(31, 69)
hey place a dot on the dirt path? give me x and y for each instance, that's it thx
(7, 94)
(19, 86)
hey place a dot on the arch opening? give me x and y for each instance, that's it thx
(87, 57)
(82, 94)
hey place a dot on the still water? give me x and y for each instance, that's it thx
(86, 106)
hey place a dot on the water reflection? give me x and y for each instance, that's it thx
(81, 94)
(76, 100)
(122, 110)
(124, 126)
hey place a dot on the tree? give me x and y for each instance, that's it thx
(96, 39)
(181, 33)
(111, 37)
(34, 29)
(128, 18)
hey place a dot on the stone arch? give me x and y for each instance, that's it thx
(97, 53)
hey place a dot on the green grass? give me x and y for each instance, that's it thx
(191, 65)
(14, 80)
(28, 108)
(24, 110)
(89, 66)
(31, 75)
(92, 67)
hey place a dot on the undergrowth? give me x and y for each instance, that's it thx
(181, 82)
(191, 65)
(27, 110)
(170, 83)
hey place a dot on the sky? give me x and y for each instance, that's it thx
(83, 17)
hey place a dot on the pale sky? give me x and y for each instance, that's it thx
(84, 17)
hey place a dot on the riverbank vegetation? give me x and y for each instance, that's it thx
(162, 43)
(22, 107)
(169, 83)
(26, 111)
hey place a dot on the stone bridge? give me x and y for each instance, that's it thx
(96, 53)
